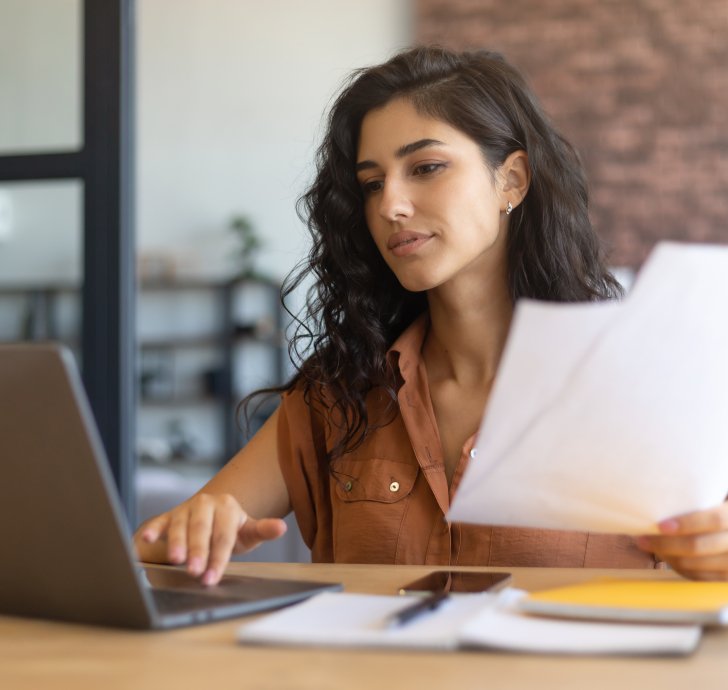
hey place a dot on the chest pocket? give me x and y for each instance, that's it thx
(370, 499)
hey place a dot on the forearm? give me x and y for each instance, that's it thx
(253, 476)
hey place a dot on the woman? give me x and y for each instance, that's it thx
(442, 195)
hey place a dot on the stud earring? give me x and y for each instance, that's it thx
(509, 208)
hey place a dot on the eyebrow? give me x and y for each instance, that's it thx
(402, 151)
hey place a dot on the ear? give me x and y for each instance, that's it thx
(515, 176)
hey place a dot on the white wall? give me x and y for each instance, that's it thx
(230, 99)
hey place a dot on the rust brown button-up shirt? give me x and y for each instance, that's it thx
(385, 502)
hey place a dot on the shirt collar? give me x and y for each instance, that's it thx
(406, 352)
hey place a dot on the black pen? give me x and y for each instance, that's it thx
(405, 615)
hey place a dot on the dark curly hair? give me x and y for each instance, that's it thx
(356, 307)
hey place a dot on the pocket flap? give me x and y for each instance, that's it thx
(373, 479)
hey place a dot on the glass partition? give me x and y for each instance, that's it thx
(41, 261)
(40, 76)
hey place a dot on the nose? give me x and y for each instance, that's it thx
(394, 202)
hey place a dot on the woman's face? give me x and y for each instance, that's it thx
(430, 200)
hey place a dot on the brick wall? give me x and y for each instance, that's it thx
(639, 86)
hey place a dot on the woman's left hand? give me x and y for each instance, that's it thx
(694, 544)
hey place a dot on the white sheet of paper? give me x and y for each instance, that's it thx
(339, 619)
(359, 620)
(610, 417)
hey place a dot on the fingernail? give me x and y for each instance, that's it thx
(195, 565)
(176, 555)
(210, 577)
(148, 537)
(669, 526)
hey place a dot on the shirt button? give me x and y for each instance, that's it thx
(347, 486)
(394, 486)
(473, 452)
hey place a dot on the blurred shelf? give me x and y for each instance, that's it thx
(241, 324)
(208, 340)
(183, 341)
(178, 400)
(226, 322)
(24, 289)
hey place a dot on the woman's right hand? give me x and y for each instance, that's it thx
(204, 532)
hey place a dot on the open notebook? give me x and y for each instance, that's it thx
(66, 549)
(464, 621)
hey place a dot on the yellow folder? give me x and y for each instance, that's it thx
(668, 601)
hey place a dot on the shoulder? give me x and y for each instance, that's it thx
(304, 398)
(304, 419)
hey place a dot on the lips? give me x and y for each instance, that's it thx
(406, 242)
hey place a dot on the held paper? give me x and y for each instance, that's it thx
(610, 417)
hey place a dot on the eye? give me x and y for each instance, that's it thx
(427, 168)
(371, 186)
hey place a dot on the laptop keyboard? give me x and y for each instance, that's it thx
(175, 600)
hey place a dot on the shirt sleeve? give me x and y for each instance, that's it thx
(304, 465)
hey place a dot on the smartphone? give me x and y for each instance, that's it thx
(456, 581)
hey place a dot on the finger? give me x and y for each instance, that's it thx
(707, 544)
(228, 516)
(252, 532)
(155, 528)
(701, 567)
(199, 532)
(177, 535)
(711, 520)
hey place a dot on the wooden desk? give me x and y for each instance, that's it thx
(35, 655)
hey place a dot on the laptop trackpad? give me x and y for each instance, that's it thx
(172, 588)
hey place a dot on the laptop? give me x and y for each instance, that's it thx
(66, 547)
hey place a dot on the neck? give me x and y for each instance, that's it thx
(469, 323)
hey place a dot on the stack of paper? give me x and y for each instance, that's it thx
(610, 417)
